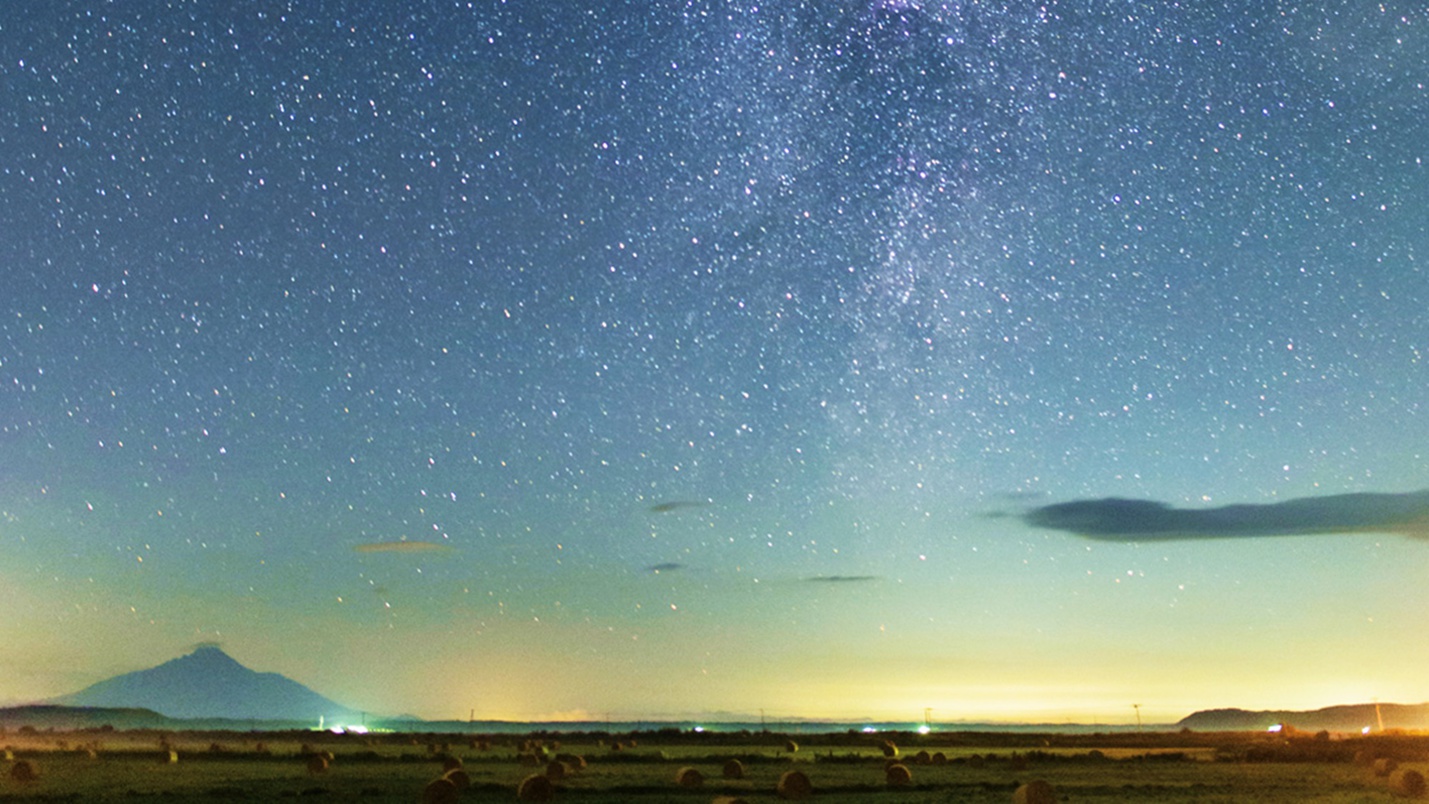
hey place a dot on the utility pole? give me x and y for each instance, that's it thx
(1137, 707)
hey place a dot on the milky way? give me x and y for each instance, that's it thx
(569, 343)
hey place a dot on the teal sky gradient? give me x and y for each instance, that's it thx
(868, 281)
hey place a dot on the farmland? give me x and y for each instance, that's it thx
(145, 766)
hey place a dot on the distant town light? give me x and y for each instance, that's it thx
(340, 729)
(1276, 728)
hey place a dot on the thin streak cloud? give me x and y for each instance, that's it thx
(676, 505)
(403, 547)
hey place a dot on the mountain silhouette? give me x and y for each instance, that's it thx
(1345, 718)
(208, 683)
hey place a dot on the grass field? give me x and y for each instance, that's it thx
(955, 767)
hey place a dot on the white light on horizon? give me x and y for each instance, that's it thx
(338, 729)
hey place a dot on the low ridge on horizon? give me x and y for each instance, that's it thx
(208, 683)
(1344, 718)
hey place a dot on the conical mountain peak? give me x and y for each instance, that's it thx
(208, 683)
(208, 657)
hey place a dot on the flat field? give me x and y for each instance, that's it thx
(645, 768)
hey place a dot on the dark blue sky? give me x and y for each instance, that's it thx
(862, 278)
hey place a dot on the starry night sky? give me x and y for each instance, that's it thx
(709, 356)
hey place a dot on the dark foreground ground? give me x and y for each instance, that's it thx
(672, 766)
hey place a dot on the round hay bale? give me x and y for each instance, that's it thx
(617, 746)
(939, 758)
(440, 791)
(1407, 783)
(794, 785)
(450, 762)
(557, 770)
(1036, 791)
(1385, 766)
(536, 787)
(529, 760)
(923, 758)
(791, 746)
(889, 749)
(689, 777)
(574, 762)
(898, 775)
(733, 769)
(458, 777)
(168, 757)
(24, 771)
(317, 763)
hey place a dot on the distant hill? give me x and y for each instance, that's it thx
(208, 684)
(68, 718)
(1348, 718)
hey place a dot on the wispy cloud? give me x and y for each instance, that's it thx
(1123, 520)
(403, 547)
(669, 566)
(842, 578)
(676, 505)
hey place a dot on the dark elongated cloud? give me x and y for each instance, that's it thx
(676, 505)
(669, 566)
(842, 578)
(1122, 520)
